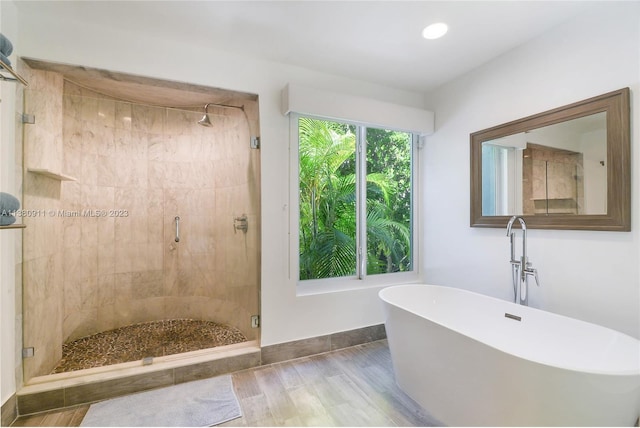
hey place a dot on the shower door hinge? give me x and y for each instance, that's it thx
(255, 143)
(28, 352)
(255, 321)
(28, 118)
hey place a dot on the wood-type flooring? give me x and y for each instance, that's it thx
(349, 387)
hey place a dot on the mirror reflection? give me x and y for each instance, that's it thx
(556, 169)
(565, 168)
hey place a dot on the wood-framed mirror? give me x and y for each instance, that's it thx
(566, 168)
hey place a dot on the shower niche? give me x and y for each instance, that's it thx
(100, 251)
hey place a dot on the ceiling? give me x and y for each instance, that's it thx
(374, 41)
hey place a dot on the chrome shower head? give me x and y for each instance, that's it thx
(205, 121)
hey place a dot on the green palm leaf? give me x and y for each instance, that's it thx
(328, 207)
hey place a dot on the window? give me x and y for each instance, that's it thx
(501, 167)
(355, 187)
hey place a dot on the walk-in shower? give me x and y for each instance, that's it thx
(134, 226)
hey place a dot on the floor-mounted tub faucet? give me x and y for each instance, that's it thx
(521, 269)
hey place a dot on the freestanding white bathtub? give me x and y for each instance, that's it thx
(472, 360)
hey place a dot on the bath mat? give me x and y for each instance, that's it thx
(193, 404)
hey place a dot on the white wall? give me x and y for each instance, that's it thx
(8, 27)
(592, 276)
(285, 316)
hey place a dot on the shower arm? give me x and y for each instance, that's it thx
(255, 140)
(206, 106)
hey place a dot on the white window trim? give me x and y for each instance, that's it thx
(329, 285)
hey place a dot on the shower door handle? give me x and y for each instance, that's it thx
(177, 229)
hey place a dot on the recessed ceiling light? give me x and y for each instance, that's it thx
(435, 31)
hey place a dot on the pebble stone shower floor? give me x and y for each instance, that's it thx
(149, 339)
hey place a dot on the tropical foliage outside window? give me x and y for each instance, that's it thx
(332, 210)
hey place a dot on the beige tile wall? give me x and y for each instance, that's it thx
(153, 164)
(553, 181)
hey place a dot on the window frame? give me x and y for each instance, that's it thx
(361, 279)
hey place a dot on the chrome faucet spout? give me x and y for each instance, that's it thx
(510, 234)
(524, 260)
(510, 224)
(520, 269)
